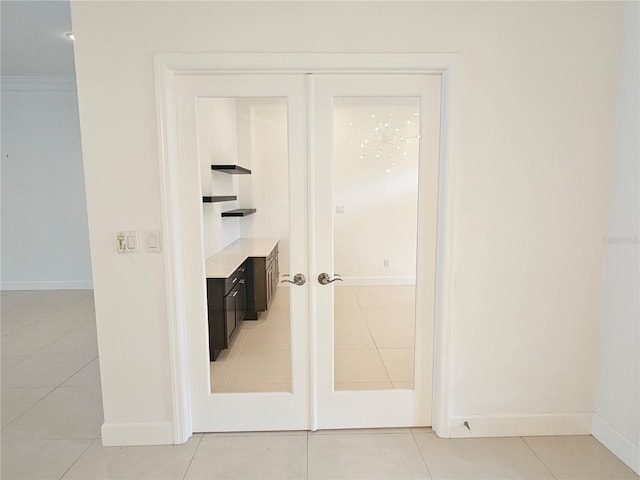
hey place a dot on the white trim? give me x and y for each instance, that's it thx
(444, 314)
(168, 64)
(620, 446)
(311, 222)
(317, 63)
(520, 425)
(15, 83)
(172, 254)
(47, 285)
(123, 434)
(356, 281)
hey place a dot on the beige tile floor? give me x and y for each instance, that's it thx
(373, 336)
(259, 358)
(50, 426)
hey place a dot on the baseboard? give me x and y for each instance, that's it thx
(620, 446)
(22, 83)
(128, 434)
(357, 281)
(520, 425)
(46, 285)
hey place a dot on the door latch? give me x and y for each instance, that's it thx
(325, 278)
(298, 279)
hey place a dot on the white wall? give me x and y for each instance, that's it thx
(617, 413)
(45, 237)
(265, 152)
(533, 160)
(252, 133)
(380, 219)
(217, 145)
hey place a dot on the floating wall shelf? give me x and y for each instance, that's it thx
(240, 212)
(231, 169)
(219, 198)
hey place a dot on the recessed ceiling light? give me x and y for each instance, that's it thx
(70, 36)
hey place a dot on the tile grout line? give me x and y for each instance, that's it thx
(539, 459)
(79, 456)
(235, 361)
(76, 372)
(424, 462)
(11, 332)
(195, 450)
(53, 389)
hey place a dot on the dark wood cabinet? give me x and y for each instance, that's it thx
(226, 305)
(248, 291)
(262, 276)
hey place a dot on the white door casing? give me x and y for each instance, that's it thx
(169, 66)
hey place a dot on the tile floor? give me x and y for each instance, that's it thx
(259, 358)
(51, 416)
(374, 338)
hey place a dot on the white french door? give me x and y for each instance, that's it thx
(375, 141)
(344, 173)
(229, 119)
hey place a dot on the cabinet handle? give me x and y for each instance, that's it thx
(241, 281)
(234, 280)
(235, 293)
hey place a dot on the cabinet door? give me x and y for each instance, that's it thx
(241, 301)
(230, 314)
(269, 285)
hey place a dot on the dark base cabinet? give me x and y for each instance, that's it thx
(262, 279)
(242, 296)
(226, 305)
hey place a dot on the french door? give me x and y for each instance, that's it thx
(343, 179)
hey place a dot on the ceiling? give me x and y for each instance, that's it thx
(32, 38)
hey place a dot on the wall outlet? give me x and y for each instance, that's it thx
(340, 210)
(386, 262)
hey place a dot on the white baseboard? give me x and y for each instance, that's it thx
(32, 83)
(357, 281)
(128, 434)
(620, 446)
(520, 425)
(47, 285)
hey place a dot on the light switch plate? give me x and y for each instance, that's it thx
(152, 241)
(127, 242)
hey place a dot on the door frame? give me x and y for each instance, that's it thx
(168, 66)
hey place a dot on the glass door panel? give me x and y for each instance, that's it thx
(250, 133)
(375, 186)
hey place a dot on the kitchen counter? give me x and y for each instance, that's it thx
(227, 260)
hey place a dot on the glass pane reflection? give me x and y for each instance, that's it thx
(251, 133)
(375, 175)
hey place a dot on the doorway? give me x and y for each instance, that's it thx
(315, 371)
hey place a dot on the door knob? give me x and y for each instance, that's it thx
(325, 278)
(298, 279)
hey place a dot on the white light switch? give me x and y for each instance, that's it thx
(152, 241)
(340, 210)
(127, 242)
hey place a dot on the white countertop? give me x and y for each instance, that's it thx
(225, 262)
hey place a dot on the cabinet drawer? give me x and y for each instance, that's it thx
(235, 277)
(272, 255)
